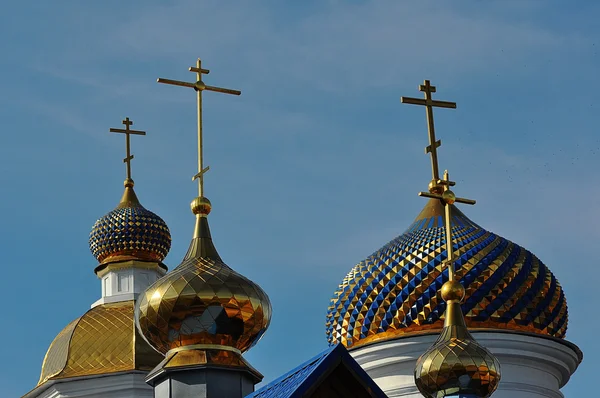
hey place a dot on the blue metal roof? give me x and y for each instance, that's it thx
(298, 381)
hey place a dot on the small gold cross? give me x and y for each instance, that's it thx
(448, 198)
(199, 86)
(429, 103)
(127, 133)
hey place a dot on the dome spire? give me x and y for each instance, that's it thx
(199, 86)
(429, 104)
(203, 314)
(202, 242)
(465, 368)
(129, 198)
(127, 131)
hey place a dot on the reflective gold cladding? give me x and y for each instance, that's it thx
(204, 357)
(104, 340)
(203, 301)
(57, 354)
(456, 363)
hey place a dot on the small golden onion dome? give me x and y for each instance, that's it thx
(203, 304)
(129, 232)
(102, 341)
(456, 364)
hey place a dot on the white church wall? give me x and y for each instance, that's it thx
(123, 385)
(127, 283)
(532, 366)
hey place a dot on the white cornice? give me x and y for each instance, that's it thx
(530, 364)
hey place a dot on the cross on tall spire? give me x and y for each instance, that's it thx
(199, 86)
(429, 103)
(127, 133)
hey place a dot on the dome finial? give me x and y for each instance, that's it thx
(429, 103)
(466, 366)
(199, 86)
(129, 157)
(448, 199)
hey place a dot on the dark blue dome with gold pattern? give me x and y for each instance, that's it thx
(395, 290)
(130, 232)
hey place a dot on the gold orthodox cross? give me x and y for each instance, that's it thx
(448, 198)
(199, 86)
(429, 103)
(127, 133)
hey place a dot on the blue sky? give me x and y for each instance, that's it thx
(315, 166)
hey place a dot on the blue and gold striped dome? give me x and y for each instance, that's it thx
(395, 290)
(130, 232)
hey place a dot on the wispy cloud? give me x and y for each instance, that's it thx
(368, 45)
(317, 164)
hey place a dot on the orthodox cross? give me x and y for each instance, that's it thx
(127, 133)
(448, 198)
(199, 86)
(429, 103)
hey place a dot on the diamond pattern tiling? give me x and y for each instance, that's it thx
(394, 291)
(100, 342)
(130, 231)
(203, 301)
(456, 363)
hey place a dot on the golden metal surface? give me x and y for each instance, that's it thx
(201, 205)
(448, 198)
(104, 340)
(429, 103)
(203, 301)
(129, 198)
(456, 363)
(57, 355)
(205, 357)
(453, 290)
(204, 347)
(127, 133)
(199, 86)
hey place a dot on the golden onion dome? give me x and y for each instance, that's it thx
(394, 291)
(102, 341)
(203, 305)
(129, 232)
(456, 365)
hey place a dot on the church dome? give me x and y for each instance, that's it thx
(394, 291)
(104, 340)
(456, 364)
(203, 303)
(129, 232)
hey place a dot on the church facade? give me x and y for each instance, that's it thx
(448, 308)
